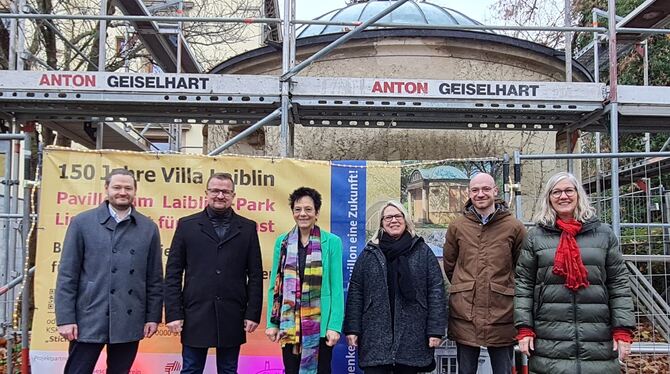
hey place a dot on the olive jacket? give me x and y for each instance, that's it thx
(573, 329)
(479, 260)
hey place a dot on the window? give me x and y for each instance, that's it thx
(448, 365)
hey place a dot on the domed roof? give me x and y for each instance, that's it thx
(412, 12)
(442, 172)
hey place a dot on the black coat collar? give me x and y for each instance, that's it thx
(208, 229)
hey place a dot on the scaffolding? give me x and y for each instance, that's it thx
(94, 107)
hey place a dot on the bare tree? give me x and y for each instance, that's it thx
(212, 43)
(79, 51)
(532, 13)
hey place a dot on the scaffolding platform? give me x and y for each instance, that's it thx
(644, 108)
(169, 98)
(76, 97)
(441, 104)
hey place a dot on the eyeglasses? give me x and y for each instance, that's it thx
(397, 217)
(569, 192)
(307, 210)
(216, 192)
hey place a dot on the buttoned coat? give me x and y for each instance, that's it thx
(479, 260)
(223, 281)
(110, 278)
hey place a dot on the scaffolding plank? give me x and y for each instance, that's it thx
(420, 103)
(133, 96)
(643, 95)
(644, 108)
(450, 89)
(139, 83)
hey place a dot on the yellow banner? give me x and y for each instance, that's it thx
(169, 187)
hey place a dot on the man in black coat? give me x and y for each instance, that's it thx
(217, 253)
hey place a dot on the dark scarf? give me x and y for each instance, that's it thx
(568, 259)
(399, 275)
(220, 220)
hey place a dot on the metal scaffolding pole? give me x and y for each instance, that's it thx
(13, 27)
(506, 178)
(567, 156)
(180, 33)
(636, 30)
(596, 48)
(15, 282)
(568, 41)
(25, 231)
(291, 64)
(269, 118)
(4, 253)
(596, 79)
(20, 37)
(645, 43)
(285, 133)
(614, 116)
(14, 207)
(567, 19)
(99, 136)
(454, 27)
(571, 164)
(146, 18)
(102, 37)
(517, 185)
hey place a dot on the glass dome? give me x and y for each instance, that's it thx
(412, 12)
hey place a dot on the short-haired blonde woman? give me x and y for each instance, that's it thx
(573, 307)
(396, 311)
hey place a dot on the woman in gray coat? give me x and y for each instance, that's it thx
(572, 301)
(396, 311)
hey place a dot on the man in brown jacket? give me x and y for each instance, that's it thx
(480, 254)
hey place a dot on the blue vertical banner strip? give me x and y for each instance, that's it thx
(348, 190)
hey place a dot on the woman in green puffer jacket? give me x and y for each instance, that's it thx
(572, 304)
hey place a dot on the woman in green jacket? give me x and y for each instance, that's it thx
(573, 307)
(306, 300)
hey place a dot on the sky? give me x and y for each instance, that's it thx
(478, 10)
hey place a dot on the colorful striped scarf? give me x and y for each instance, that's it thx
(297, 310)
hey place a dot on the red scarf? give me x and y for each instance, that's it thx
(568, 260)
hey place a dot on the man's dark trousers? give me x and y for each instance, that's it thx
(195, 358)
(468, 359)
(83, 356)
